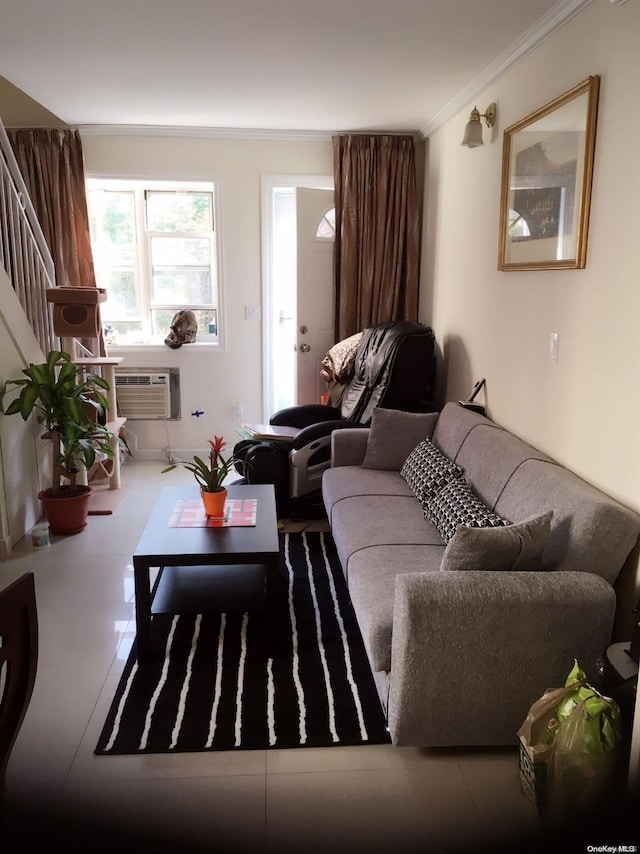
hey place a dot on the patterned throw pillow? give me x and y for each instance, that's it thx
(427, 470)
(455, 505)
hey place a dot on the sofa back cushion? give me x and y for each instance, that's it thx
(590, 531)
(487, 454)
(454, 425)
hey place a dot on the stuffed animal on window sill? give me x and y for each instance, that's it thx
(184, 329)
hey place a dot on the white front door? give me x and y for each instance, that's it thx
(286, 234)
(314, 328)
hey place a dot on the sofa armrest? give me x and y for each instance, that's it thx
(471, 651)
(348, 447)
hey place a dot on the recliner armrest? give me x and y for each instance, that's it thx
(303, 416)
(317, 431)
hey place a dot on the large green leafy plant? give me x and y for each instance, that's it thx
(70, 403)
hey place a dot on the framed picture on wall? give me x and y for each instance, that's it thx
(547, 168)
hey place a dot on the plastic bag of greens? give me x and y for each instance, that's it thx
(536, 737)
(585, 751)
(552, 785)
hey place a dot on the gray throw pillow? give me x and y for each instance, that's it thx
(456, 505)
(516, 547)
(393, 435)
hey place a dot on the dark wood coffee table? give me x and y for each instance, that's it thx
(203, 569)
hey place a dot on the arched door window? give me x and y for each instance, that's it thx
(326, 229)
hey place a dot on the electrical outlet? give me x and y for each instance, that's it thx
(553, 347)
(237, 412)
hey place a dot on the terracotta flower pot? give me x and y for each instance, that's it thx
(66, 514)
(214, 502)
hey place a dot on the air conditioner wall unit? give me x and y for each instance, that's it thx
(147, 394)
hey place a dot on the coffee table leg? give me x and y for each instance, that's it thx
(143, 611)
(270, 581)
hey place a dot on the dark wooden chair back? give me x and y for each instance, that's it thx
(18, 661)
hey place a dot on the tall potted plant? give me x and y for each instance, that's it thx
(70, 404)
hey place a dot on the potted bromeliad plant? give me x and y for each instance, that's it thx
(210, 475)
(69, 403)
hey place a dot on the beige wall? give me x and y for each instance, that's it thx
(215, 382)
(20, 110)
(584, 410)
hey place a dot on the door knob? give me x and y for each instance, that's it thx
(304, 348)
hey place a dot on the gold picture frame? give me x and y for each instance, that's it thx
(547, 171)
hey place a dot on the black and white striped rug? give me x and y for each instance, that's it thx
(233, 681)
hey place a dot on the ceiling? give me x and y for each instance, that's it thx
(270, 65)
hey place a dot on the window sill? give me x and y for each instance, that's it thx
(196, 347)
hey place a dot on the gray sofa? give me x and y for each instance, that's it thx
(460, 656)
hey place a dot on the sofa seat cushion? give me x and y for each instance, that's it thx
(363, 521)
(347, 481)
(372, 578)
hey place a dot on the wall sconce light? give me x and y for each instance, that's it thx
(473, 130)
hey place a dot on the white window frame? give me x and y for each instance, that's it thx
(145, 297)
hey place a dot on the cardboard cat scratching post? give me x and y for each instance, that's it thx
(76, 314)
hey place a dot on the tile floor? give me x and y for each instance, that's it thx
(378, 798)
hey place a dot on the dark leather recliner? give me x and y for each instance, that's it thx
(394, 368)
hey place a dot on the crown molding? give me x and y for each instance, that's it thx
(205, 132)
(232, 133)
(534, 36)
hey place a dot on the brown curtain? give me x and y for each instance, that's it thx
(377, 247)
(52, 165)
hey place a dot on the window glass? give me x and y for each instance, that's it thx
(181, 287)
(121, 289)
(178, 211)
(155, 253)
(113, 227)
(206, 319)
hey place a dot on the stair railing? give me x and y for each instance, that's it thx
(23, 249)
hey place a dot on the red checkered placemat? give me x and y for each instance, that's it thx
(237, 511)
